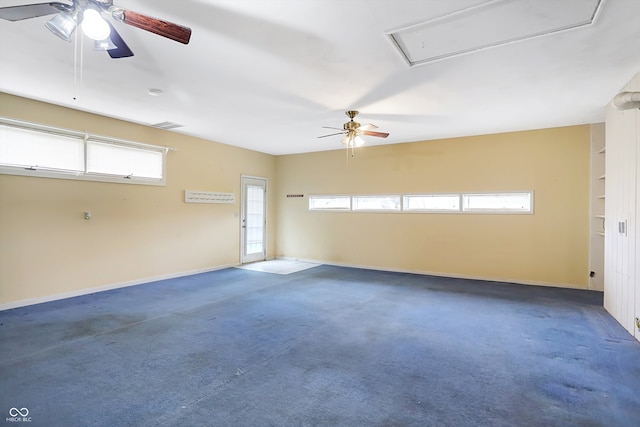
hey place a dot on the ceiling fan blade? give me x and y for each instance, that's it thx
(18, 13)
(368, 126)
(331, 127)
(166, 29)
(333, 134)
(121, 50)
(378, 134)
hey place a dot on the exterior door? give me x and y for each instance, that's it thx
(253, 223)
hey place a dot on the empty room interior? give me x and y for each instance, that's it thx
(320, 213)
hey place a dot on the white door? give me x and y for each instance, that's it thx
(253, 223)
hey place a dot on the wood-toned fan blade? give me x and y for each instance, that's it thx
(368, 126)
(372, 133)
(333, 134)
(121, 50)
(157, 26)
(18, 13)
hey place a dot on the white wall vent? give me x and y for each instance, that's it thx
(191, 196)
(166, 125)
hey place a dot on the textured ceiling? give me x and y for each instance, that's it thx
(267, 75)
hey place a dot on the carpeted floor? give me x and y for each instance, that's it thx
(327, 346)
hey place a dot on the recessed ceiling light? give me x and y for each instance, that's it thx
(154, 92)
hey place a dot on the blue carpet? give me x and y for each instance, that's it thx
(328, 346)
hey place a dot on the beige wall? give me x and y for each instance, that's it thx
(144, 232)
(137, 232)
(549, 247)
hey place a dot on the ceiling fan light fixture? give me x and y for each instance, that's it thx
(94, 26)
(105, 44)
(353, 141)
(62, 25)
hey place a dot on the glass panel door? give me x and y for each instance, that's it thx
(254, 219)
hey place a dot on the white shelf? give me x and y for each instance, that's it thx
(602, 177)
(599, 233)
(600, 216)
(601, 197)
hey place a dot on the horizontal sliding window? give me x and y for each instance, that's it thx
(42, 151)
(376, 203)
(498, 202)
(329, 202)
(457, 203)
(431, 203)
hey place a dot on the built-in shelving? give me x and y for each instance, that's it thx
(597, 206)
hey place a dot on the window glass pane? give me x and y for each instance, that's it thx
(123, 161)
(255, 219)
(507, 202)
(41, 150)
(432, 202)
(329, 202)
(376, 203)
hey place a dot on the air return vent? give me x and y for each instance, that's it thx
(166, 125)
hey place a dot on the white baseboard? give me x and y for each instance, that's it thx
(86, 291)
(441, 274)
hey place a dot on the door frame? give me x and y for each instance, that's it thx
(245, 259)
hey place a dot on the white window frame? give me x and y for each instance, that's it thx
(405, 207)
(325, 196)
(34, 171)
(354, 208)
(468, 210)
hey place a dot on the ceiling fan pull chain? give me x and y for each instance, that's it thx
(80, 87)
(77, 65)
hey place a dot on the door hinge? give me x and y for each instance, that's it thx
(638, 323)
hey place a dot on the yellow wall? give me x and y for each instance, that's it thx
(548, 247)
(137, 232)
(144, 232)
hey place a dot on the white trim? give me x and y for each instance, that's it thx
(80, 176)
(442, 274)
(103, 288)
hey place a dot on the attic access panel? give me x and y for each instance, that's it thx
(490, 24)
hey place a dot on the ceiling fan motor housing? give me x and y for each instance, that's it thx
(351, 125)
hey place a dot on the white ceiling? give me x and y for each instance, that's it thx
(268, 74)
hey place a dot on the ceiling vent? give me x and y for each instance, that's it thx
(490, 24)
(166, 125)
